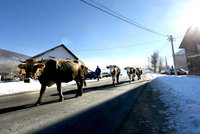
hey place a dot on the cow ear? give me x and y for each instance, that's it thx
(125, 68)
(41, 65)
(107, 67)
(22, 66)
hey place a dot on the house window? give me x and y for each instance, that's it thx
(52, 57)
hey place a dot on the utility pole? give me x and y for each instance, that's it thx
(171, 40)
(148, 65)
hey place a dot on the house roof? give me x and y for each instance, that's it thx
(180, 52)
(192, 36)
(62, 45)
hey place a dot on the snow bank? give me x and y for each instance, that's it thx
(16, 87)
(181, 95)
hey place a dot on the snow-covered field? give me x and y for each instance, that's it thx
(181, 94)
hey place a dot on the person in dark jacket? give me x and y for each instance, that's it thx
(98, 72)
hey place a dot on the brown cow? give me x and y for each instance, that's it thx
(131, 71)
(51, 71)
(115, 72)
(139, 72)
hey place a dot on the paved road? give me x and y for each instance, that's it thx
(101, 109)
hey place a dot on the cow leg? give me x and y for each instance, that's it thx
(113, 78)
(139, 77)
(42, 90)
(133, 77)
(85, 83)
(60, 91)
(80, 88)
(129, 76)
(118, 78)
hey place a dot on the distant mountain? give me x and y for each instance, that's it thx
(9, 61)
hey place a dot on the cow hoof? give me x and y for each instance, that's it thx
(61, 100)
(37, 104)
(76, 96)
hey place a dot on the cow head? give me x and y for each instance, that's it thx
(129, 69)
(113, 69)
(33, 68)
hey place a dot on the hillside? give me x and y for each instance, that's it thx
(9, 61)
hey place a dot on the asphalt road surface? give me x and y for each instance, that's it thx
(101, 109)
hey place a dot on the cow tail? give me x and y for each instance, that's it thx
(84, 78)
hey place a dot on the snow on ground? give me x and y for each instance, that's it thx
(181, 94)
(16, 87)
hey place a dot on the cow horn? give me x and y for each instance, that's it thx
(40, 61)
(22, 61)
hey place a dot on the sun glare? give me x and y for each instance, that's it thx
(191, 14)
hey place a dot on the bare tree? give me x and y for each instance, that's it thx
(160, 64)
(154, 60)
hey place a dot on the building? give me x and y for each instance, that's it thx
(181, 61)
(58, 52)
(191, 44)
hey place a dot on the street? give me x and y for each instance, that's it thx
(101, 109)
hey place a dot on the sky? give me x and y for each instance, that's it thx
(30, 27)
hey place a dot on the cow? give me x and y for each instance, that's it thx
(115, 72)
(51, 71)
(139, 72)
(131, 71)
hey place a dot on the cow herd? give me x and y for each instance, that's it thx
(55, 71)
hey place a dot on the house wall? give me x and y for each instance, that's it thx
(194, 65)
(58, 53)
(181, 61)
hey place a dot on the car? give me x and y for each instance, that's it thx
(182, 72)
(105, 74)
(170, 71)
(90, 75)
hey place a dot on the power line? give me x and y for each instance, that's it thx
(120, 47)
(122, 16)
(163, 46)
(125, 19)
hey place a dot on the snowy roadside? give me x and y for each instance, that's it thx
(17, 87)
(181, 96)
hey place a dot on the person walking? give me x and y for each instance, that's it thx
(98, 72)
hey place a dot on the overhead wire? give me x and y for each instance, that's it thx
(123, 18)
(121, 46)
(121, 15)
(165, 44)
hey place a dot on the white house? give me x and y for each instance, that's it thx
(58, 52)
(181, 61)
